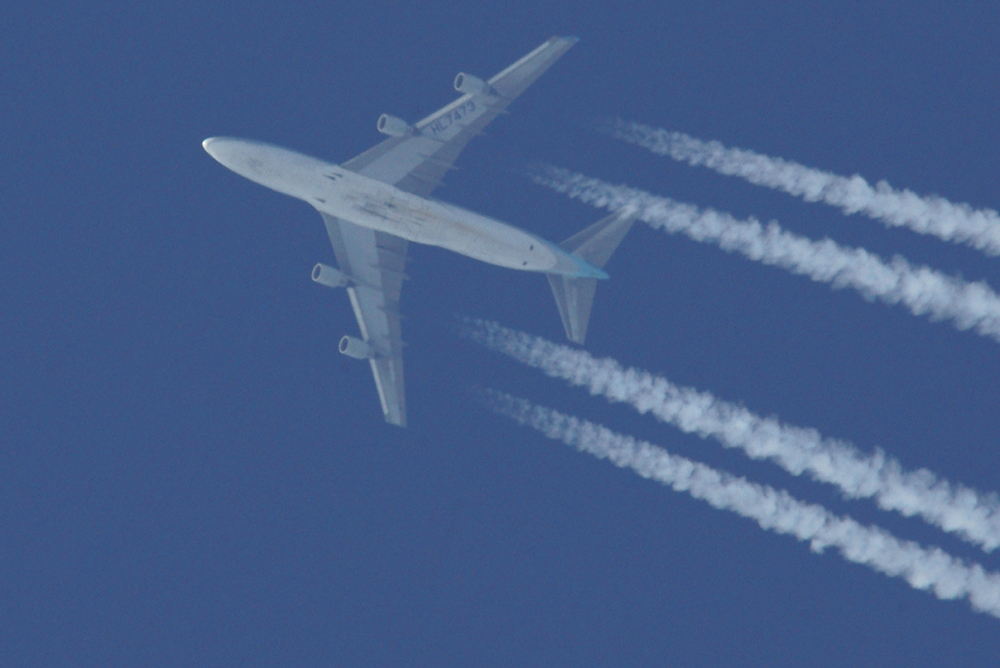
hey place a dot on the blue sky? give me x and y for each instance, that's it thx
(190, 474)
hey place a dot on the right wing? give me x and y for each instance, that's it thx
(416, 163)
(375, 261)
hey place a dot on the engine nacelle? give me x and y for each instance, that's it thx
(392, 126)
(356, 348)
(466, 83)
(330, 277)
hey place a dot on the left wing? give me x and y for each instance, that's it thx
(415, 159)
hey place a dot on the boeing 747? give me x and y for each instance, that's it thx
(376, 203)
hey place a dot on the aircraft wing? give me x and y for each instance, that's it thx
(415, 162)
(376, 260)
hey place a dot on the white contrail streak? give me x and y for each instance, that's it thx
(924, 568)
(895, 208)
(923, 290)
(955, 508)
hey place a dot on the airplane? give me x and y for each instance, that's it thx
(378, 202)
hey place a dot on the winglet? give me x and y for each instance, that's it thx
(594, 245)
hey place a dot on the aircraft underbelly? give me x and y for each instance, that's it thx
(380, 206)
(423, 221)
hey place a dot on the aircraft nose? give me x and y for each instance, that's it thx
(211, 146)
(270, 166)
(234, 154)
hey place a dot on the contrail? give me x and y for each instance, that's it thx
(955, 508)
(895, 208)
(923, 290)
(924, 568)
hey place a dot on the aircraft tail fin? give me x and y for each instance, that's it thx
(595, 244)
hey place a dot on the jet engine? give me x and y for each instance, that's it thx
(466, 83)
(392, 126)
(356, 348)
(330, 277)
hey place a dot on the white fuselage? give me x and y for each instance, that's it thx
(379, 206)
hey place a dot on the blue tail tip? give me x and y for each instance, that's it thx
(587, 270)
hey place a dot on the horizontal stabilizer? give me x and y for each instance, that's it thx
(575, 296)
